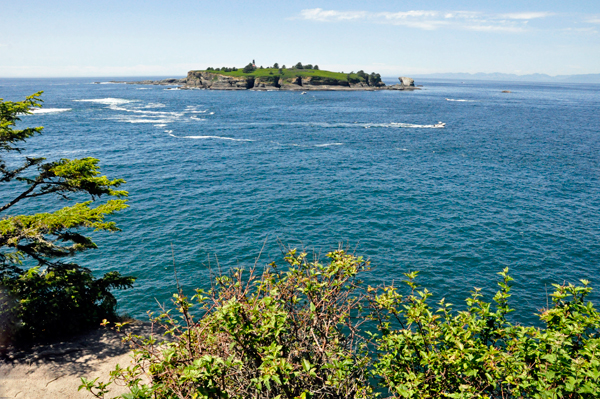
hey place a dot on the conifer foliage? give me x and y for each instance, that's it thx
(41, 294)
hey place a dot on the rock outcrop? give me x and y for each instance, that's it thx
(214, 81)
(294, 83)
(266, 83)
(405, 84)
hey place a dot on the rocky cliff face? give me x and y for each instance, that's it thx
(266, 83)
(294, 83)
(214, 81)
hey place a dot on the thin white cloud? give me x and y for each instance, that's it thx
(431, 19)
(494, 28)
(318, 14)
(526, 15)
(593, 20)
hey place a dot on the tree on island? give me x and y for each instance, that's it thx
(298, 66)
(374, 79)
(248, 68)
(41, 295)
(275, 66)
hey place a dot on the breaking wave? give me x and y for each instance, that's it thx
(38, 111)
(134, 111)
(205, 137)
(106, 101)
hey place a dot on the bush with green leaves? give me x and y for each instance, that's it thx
(42, 295)
(312, 331)
(478, 353)
(275, 334)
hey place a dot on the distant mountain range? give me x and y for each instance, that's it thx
(535, 77)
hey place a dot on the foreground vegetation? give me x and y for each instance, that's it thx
(41, 295)
(313, 330)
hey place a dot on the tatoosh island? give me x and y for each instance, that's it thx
(299, 77)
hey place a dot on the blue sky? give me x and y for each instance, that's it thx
(143, 38)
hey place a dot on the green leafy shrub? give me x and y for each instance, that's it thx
(478, 353)
(312, 332)
(280, 334)
(52, 298)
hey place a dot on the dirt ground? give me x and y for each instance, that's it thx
(54, 371)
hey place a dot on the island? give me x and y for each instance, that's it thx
(299, 77)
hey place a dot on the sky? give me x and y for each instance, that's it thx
(60, 38)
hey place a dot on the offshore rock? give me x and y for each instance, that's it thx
(405, 84)
(408, 82)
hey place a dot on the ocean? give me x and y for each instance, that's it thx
(225, 178)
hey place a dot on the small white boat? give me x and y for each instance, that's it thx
(303, 92)
(439, 125)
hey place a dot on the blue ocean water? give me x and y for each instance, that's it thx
(512, 181)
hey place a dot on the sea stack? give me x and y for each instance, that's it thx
(405, 84)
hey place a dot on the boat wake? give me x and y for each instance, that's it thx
(439, 125)
(328, 144)
(205, 137)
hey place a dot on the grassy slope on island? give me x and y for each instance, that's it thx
(289, 73)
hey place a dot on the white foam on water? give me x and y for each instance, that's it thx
(460, 100)
(209, 137)
(173, 88)
(161, 125)
(145, 112)
(143, 88)
(106, 101)
(154, 105)
(169, 131)
(328, 144)
(141, 120)
(38, 111)
(212, 113)
(414, 126)
(194, 118)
